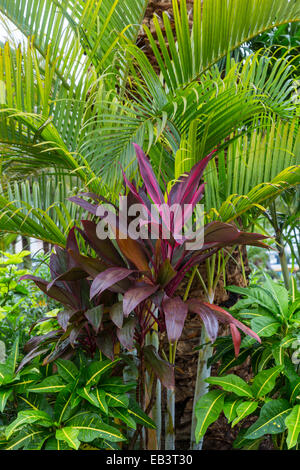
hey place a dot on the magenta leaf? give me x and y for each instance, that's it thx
(175, 311)
(92, 208)
(148, 176)
(108, 278)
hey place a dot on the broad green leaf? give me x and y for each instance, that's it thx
(63, 405)
(11, 361)
(246, 444)
(88, 395)
(55, 444)
(271, 419)
(6, 375)
(258, 295)
(52, 384)
(294, 390)
(69, 435)
(91, 427)
(67, 370)
(28, 417)
(124, 416)
(24, 438)
(265, 381)
(265, 326)
(97, 369)
(116, 385)
(4, 396)
(139, 416)
(207, 411)
(278, 354)
(101, 397)
(230, 407)
(117, 400)
(292, 422)
(280, 295)
(244, 409)
(232, 383)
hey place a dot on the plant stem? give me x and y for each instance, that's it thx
(201, 387)
(153, 339)
(170, 415)
(170, 421)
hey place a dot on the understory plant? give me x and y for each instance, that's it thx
(273, 394)
(128, 287)
(21, 304)
(75, 404)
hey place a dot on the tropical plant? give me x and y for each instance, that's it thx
(273, 393)
(63, 108)
(67, 405)
(20, 304)
(77, 105)
(146, 273)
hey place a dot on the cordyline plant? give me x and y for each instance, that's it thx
(130, 288)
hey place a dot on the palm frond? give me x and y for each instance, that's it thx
(159, 118)
(218, 27)
(254, 169)
(40, 209)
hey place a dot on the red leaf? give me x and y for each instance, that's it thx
(225, 317)
(236, 338)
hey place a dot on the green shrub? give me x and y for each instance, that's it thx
(273, 394)
(66, 404)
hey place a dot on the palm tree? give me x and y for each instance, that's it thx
(79, 91)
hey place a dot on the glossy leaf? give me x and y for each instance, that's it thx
(271, 419)
(292, 422)
(264, 381)
(208, 409)
(232, 383)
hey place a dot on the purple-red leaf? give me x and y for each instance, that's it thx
(135, 296)
(104, 248)
(73, 274)
(207, 316)
(163, 369)
(126, 333)
(94, 316)
(92, 208)
(108, 278)
(225, 317)
(175, 311)
(116, 314)
(55, 292)
(236, 338)
(148, 176)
